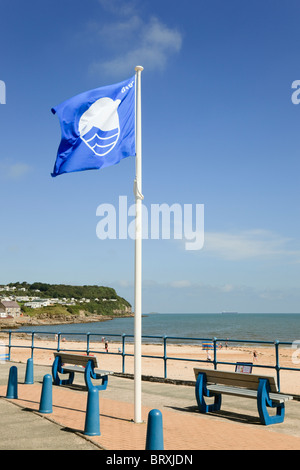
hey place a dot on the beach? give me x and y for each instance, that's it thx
(181, 370)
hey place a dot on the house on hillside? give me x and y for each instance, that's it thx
(9, 308)
(38, 303)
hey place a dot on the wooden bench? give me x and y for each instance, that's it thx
(215, 383)
(70, 363)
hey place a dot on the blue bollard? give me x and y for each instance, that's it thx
(46, 395)
(155, 439)
(92, 418)
(12, 386)
(29, 372)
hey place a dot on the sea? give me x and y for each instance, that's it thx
(183, 328)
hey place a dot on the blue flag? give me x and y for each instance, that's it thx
(97, 128)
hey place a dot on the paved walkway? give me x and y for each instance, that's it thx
(237, 427)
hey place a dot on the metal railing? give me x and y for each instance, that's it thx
(162, 339)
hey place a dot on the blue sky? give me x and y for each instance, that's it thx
(219, 129)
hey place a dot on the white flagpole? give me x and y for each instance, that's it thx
(138, 257)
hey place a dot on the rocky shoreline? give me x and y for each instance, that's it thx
(14, 323)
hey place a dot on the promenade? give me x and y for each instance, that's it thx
(235, 427)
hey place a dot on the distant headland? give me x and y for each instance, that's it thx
(41, 303)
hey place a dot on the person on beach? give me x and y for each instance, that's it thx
(106, 346)
(254, 356)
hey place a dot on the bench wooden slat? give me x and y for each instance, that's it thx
(82, 369)
(76, 359)
(237, 379)
(232, 391)
(276, 397)
(103, 372)
(70, 368)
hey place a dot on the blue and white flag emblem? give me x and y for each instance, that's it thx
(97, 127)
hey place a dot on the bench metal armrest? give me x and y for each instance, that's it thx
(201, 391)
(56, 369)
(264, 401)
(90, 373)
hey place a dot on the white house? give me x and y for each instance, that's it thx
(37, 303)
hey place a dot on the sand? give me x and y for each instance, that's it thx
(154, 366)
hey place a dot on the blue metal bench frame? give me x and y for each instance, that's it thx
(264, 401)
(202, 391)
(89, 373)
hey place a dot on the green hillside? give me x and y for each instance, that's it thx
(99, 300)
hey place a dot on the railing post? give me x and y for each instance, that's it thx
(123, 353)
(9, 344)
(32, 343)
(165, 356)
(88, 343)
(58, 341)
(276, 343)
(215, 353)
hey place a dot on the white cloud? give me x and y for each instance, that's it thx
(150, 44)
(180, 284)
(247, 244)
(227, 288)
(120, 7)
(13, 171)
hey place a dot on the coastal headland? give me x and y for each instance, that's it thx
(49, 304)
